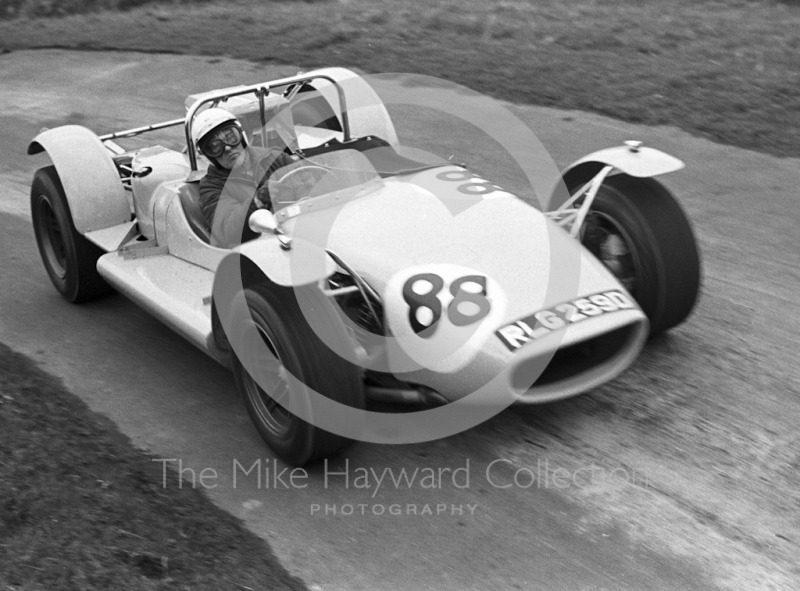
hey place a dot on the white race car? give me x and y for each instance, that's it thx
(376, 275)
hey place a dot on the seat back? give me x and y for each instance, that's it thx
(190, 199)
(154, 165)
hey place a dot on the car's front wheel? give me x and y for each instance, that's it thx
(69, 258)
(299, 359)
(639, 231)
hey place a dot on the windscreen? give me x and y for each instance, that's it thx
(320, 175)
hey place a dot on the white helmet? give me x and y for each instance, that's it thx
(209, 120)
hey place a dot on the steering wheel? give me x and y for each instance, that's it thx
(298, 184)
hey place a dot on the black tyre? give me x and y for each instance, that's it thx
(639, 231)
(281, 325)
(69, 258)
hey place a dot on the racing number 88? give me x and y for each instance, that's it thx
(425, 309)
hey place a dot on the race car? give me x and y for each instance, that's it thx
(378, 274)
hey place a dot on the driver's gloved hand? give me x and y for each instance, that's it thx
(262, 199)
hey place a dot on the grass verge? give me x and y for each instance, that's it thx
(81, 508)
(724, 69)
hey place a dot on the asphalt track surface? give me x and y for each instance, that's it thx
(702, 430)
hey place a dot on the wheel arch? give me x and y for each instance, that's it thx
(300, 264)
(633, 160)
(263, 260)
(96, 197)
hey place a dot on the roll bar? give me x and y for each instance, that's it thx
(260, 90)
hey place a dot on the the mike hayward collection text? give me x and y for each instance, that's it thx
(500, 474)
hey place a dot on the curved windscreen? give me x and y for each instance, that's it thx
(320, 175)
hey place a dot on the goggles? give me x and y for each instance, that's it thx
(229, 136)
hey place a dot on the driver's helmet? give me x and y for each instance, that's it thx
(209, 121)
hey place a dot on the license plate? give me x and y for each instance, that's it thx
(542, 323)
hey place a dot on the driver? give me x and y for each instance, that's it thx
(235, 184)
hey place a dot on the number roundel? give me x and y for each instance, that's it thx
(438, 315)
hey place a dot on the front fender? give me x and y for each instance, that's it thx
(638, 161)
(302, 264)
(264, 260)
(96, 197)
(634, 160)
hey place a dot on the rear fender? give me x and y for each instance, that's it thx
(632, 159)
(97, 199)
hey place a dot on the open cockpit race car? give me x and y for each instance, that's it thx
(376, 274)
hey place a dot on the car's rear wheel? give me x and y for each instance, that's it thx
(69, 258)
(639, 231)
(301, 359)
